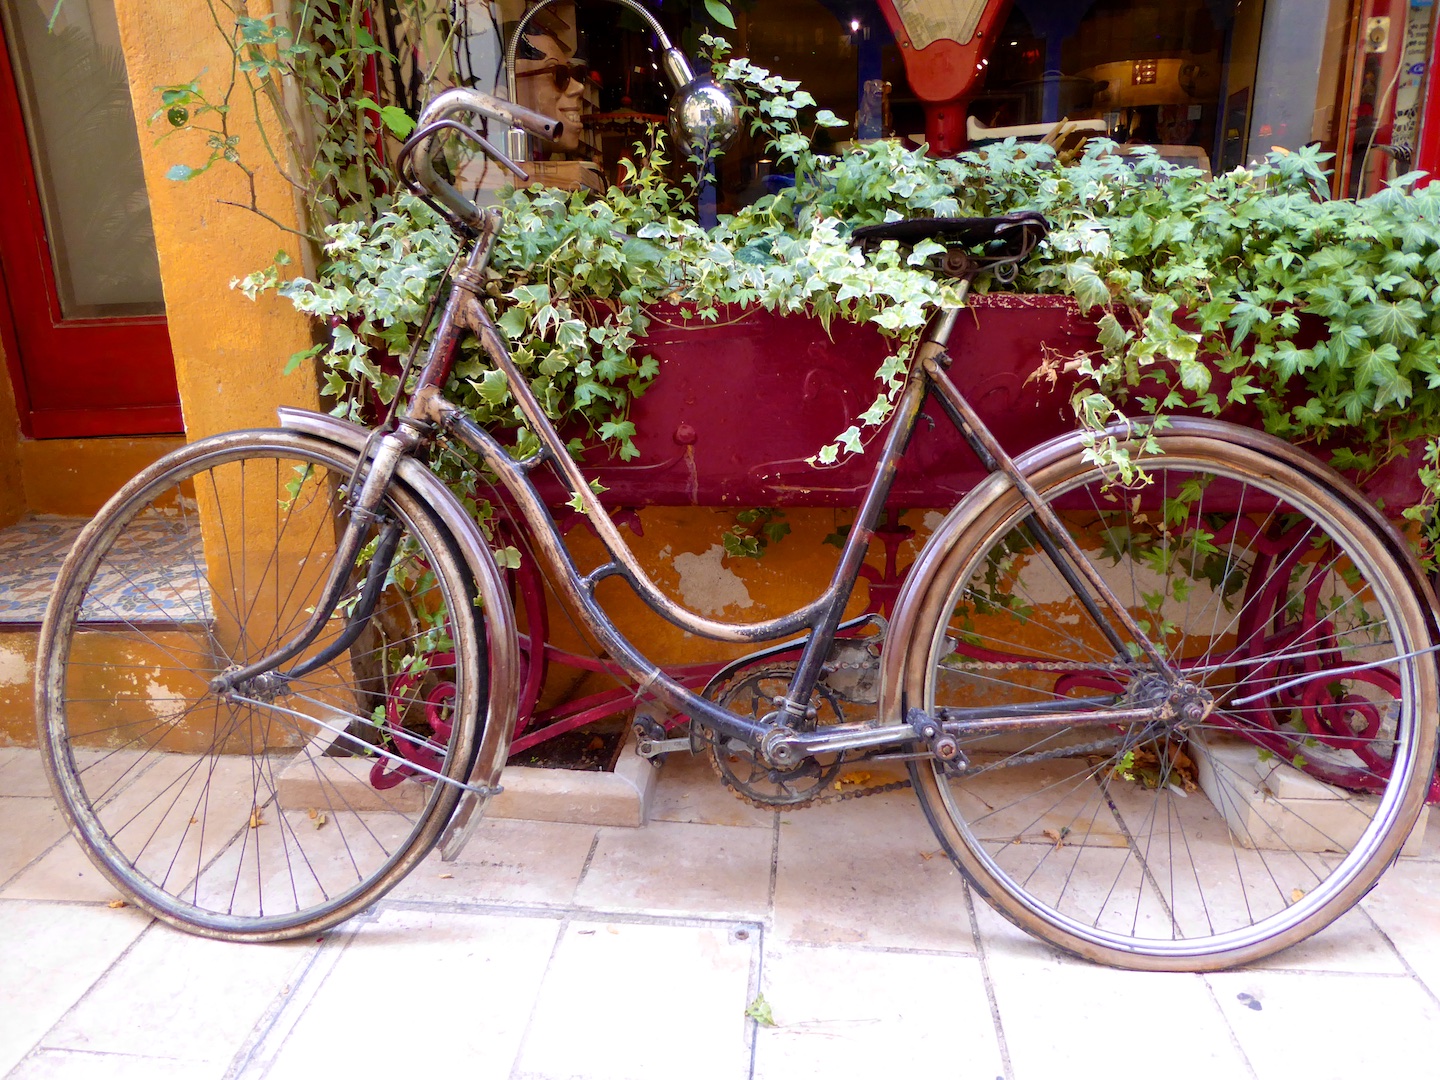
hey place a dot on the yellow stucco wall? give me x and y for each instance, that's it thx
(74, 477)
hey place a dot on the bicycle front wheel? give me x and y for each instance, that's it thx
(294, 801)
(1202, 845)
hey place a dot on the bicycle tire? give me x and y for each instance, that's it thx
(1252, 829)
(287, 809)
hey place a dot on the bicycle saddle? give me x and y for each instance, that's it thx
(959, 231)
(1005, 241)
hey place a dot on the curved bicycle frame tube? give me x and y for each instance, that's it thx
(821, 616)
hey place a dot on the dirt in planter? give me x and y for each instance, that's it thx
(593, 748)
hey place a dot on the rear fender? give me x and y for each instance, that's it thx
(912, 614)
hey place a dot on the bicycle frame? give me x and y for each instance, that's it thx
(780, 737)
(1052, 746)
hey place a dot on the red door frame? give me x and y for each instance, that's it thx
(71, 377)
(1427, 148)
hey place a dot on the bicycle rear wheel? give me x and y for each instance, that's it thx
(289, 805)
(1233, 837)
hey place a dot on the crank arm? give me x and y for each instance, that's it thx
(654, 748)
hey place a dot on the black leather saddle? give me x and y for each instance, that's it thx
(961, 231)
(1002, 242)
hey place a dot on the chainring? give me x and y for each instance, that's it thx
(752, 692)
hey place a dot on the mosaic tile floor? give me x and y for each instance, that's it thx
(151, 571)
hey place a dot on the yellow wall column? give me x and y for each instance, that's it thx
(230, 352)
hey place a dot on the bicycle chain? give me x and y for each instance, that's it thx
(1034, 665)
(834, 792)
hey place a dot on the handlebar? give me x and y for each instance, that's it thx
(439, 115)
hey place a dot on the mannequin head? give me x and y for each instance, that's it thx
(550, 81)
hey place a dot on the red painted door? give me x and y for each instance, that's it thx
(83, 317)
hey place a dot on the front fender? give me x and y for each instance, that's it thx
(499, 626)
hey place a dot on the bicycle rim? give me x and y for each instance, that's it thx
(1245, 832)
(280, 809)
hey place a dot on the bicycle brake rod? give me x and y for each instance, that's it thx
(862, 736)
(362, 511)
(369, 747)
(364, 606)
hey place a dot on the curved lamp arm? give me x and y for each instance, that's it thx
(703, 116)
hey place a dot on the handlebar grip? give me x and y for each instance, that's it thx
(537, 124)
(467, 100)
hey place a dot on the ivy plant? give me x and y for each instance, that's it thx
(1246, 289)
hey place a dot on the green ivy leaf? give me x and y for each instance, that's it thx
(398, 121)
(1395, 323)
(720, 12)
(1089, 288)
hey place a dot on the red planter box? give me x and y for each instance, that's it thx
(739, 405)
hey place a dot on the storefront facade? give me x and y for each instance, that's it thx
(115, 352)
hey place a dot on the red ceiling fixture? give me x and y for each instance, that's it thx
(944, 56)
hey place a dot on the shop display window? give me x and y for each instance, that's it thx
(1213, 83)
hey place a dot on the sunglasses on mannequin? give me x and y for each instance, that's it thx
(562, 71)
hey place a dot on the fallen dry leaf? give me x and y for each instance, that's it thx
(320, 820)
(1296, 895)
(255, 819)
(853, 778)
(313, 813)
(118, 904)
(446, 877)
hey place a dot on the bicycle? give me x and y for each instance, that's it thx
(1107, 692)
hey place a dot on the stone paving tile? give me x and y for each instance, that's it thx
(868, 871)
(1428, 850)
(30, 827)
(54, 954)
(1059, 1014)
(198, 999)
(635, 1002)
(1406, 908)
(74, 1065)
(861, 1012)
(65, 873)
(507, 860)
(677, 868)
(22, 774)
(1352, 943)
(105, 772)
(689, 790)
(1329, 1027)
(416, 992)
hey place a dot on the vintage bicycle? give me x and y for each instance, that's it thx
(1174, 722)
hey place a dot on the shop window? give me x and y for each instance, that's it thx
(1212, 83)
